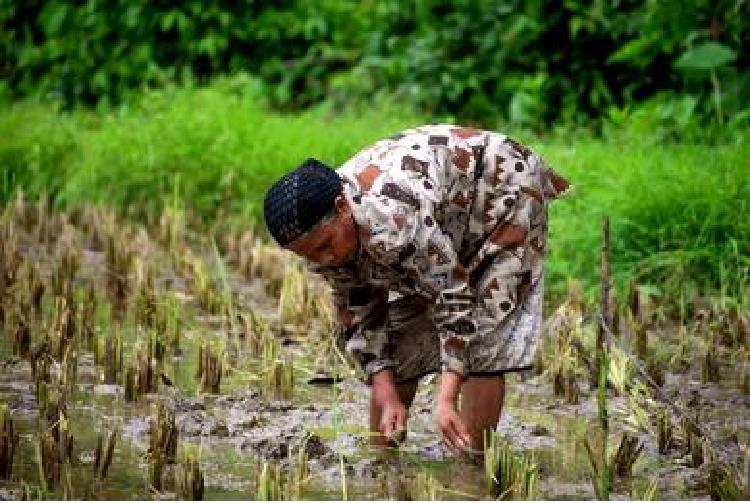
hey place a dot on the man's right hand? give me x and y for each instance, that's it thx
(394, 414)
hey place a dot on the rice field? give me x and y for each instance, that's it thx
(160, 360)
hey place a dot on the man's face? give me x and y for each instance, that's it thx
(331, 242)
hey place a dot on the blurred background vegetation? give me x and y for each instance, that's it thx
(644, 104)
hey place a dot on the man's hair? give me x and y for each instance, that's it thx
(300, 200)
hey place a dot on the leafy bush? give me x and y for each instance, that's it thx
(527, 62)
(679, 210)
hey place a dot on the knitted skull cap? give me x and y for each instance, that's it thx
(300, 199)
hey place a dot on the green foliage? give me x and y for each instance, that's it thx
(526, 62)
(216, 145)
(679, 210)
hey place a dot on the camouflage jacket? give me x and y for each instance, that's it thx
(434, 206)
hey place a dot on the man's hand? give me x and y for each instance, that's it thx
(451, 426)
(393, 415)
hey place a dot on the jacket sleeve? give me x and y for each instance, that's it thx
(360, 310)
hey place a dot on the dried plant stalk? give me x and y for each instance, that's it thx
(103, 455)
(627, 454)
(8, 442)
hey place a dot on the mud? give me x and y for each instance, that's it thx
(242, 427)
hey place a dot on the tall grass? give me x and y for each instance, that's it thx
(679, 211)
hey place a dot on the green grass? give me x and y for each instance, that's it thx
(679, 211)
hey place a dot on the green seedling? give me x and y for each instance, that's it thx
(269, 484)
(293, 299)
(189, 477)
(426, 486)
(510, 475)
(278, 373)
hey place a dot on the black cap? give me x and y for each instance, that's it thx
(300, 199)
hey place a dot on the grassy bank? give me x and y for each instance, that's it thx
(680, 211)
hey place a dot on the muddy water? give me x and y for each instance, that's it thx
(241, 428)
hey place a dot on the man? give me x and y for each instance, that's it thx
(433, 242)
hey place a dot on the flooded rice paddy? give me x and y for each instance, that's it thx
(147, 362)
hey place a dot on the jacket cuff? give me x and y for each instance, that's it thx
(376, 366)
(454, 354)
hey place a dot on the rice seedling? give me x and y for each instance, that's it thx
(61, 332)
(163, 433)
(119, 258)
(299, 473)
(203, 287)
(162, 448)
(602, 471)
(265, 264)
(664, 430)
(564, 349)
(19, 332)
(710, 371)
(130, 384)
(620, 370)
(725, 483)
(34, 286)
(604, 325)
(278, 373)
(649, 492)
(344, 484)
(210, 369)
(113, 357)
(69, 370)
(426, 486)
(171, 326)
(8, 442)
(86, 318)
(696, 446)
(54, 451)
(189, 477)
(602, 468)
(146, 376)
(293, 299)
(254, 329)
(156, 464)
(627, 454)
(637, 325)
(509, 475)
(172, 220)
(244, 255)
(269, 484)
(103, 454)
(145, 298)
(156, 349)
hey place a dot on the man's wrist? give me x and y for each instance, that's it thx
(450, 387)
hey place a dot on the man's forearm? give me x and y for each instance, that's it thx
(384, 385)
(450, 386)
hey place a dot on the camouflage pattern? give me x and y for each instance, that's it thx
(449, 274)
